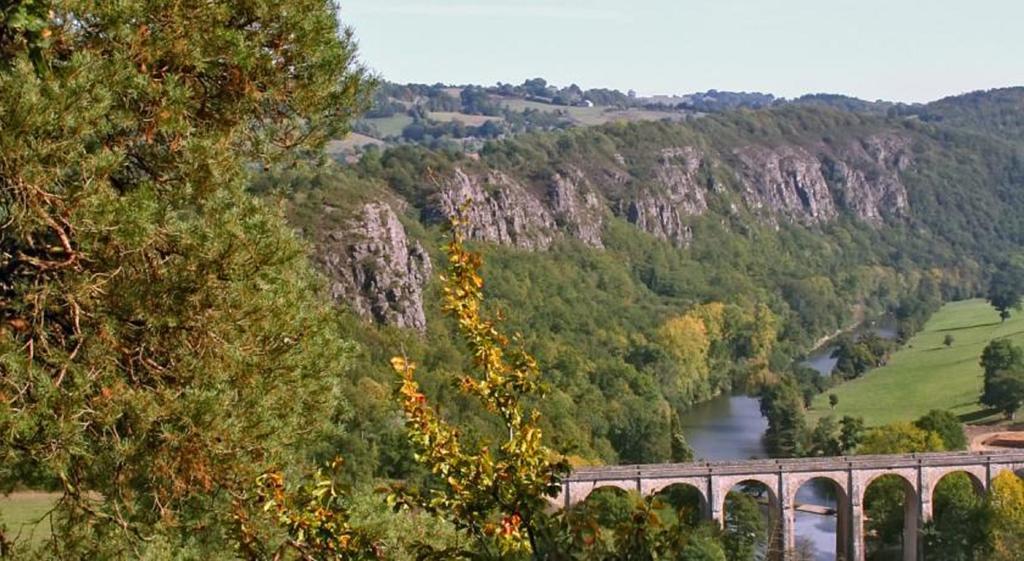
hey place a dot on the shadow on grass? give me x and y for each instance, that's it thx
(949, 329)
(978, 415)
(1008, 335)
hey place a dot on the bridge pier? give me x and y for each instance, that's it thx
(857, 545)
(844, 527)
(786, 516)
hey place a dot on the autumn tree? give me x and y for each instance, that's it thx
(495, 493)
(1006, 517)
(162, 337)
(686, 338)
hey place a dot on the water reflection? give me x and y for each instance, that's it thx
(731, 428)
(726, 428)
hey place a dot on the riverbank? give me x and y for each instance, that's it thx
(858, 322)
(925, 374)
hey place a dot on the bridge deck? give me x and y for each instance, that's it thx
(795, 465)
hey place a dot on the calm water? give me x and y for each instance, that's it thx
(731, 428)
(821, 359)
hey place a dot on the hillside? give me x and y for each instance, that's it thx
(926, 374)
(999, 113)
(597, 238)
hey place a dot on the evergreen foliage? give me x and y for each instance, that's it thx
(163, 339)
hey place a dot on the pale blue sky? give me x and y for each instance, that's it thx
(906, 50)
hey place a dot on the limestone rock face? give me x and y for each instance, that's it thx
(866, 177)
(678, 172)
(576, 207)
(375, 268)
(659, 217)
(785, 181)
(677, 192)
(506, 211)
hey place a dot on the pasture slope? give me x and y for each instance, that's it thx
(925, 374)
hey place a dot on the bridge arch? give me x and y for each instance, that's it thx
(838, 486)
(763, 489)
(575, 492)
(724, 484)
(697, 484)
(686, 500)
(911, 506)
(933, 477)
(839, 479)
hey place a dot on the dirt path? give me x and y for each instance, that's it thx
(995, 438)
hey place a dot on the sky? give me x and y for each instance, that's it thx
(900, 50)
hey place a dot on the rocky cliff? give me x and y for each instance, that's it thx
(803, 184)
(867, 180)
(375, 268)
(861, 177)
(504, 210)
(786, 182)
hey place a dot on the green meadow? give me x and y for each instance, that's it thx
(926, 374)
(24, 515)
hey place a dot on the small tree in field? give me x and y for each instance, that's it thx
(948, 340)
(1003, 363)
(1005, 292)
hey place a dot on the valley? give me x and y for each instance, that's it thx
(260, 300)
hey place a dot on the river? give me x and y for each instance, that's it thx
(731, 428)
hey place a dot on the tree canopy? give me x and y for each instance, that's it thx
(162, 336)
(1003, 363)
(1005, 290)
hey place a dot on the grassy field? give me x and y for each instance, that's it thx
(591, 115)
(391, 126)
(23, 514)
(465, 119)
(350, 142)
(925, 374)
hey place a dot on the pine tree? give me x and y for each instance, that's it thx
(162, 337)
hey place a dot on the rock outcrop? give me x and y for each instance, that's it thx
(503, 210)
(676, 192)
(806, 185)
(862, 177)
(785, 180)
(577, 209)
(659, 217)
(375, 268)
(867, 179)
(678, 172)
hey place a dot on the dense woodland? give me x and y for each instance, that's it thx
(640, 329)
(172, 369)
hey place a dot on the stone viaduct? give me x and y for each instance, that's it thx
(850, 477)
